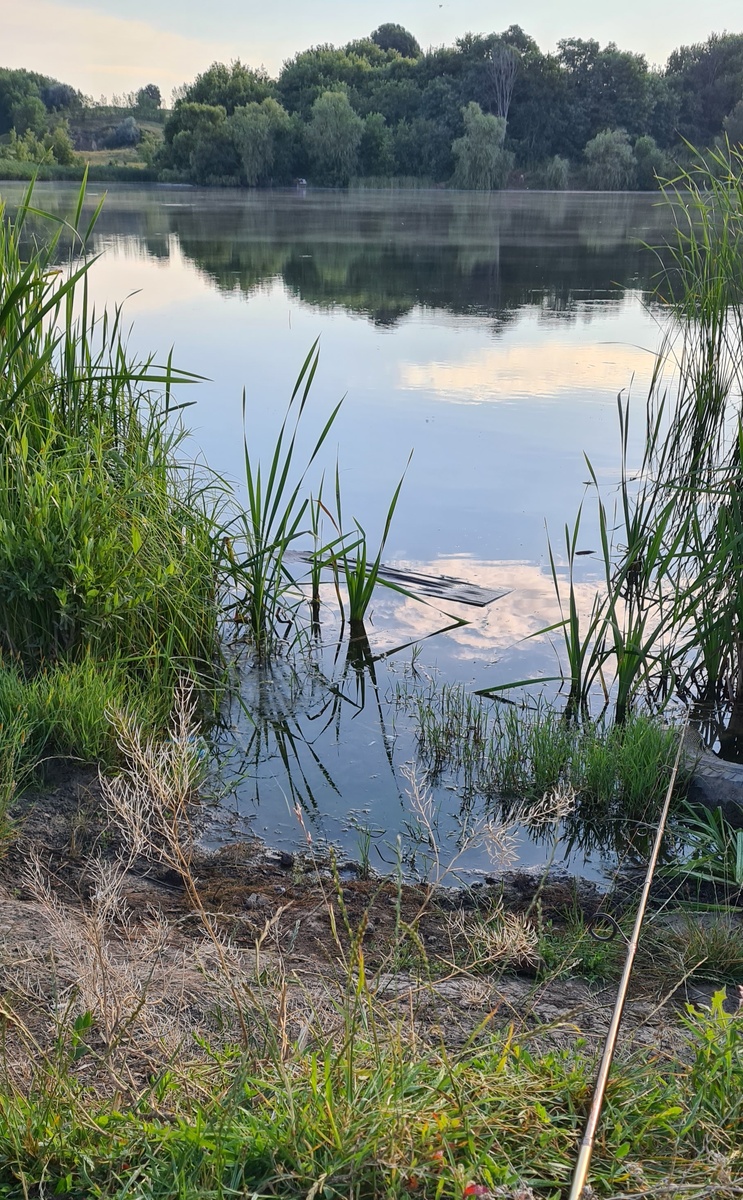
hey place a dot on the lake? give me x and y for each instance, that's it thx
(490, 335)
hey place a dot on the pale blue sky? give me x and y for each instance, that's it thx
(110, 46)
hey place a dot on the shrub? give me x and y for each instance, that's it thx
(557, 174)
(611, 163)
(127, 133)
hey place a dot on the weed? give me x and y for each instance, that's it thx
(711, 848)
(359, 572)
(520, 751)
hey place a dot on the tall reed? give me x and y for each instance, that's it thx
(669, 615)
(274, 519)
(352, 562)
(109, 544)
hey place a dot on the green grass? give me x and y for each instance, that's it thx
(526, 752)
(64, 711)
(363, 1116)
(111, 549)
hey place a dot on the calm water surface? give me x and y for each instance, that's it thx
(489, 334)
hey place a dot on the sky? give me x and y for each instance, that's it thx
(114, 46)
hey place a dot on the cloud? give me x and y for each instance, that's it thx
(529, 606)
(522, 372)
(100, 53)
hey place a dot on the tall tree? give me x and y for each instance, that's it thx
(482, 162)
(256, 130)
(334, 134)
(396, 37)
(502, 69)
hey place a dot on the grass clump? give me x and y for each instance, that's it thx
(65, 711)
(529, 751)
(101, 551)
(111, 561)
(107, 547)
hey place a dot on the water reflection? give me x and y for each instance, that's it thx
(491, 333)
(329, 730)
(381, 255)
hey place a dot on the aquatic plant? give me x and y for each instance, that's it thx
(511, 754)
(710, 848)
(352, 562)
(667, 617)
(274, 520)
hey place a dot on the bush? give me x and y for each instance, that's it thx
(611, 163)
(127, 133)
(557, 174)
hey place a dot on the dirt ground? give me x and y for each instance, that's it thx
(304, 915)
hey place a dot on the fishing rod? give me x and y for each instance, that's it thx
(586, 1147)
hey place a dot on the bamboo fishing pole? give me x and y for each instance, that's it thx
(586, 1147)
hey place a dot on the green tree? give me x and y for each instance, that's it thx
(60, 95)
(214, 160)
(17, 86)
(733, 125)
(28, 115)
(149, 97)
(652, 164)
(28, 148)
(611, 163)
(257, 130)
(481, 161)
(188, 124)
(396, 37)
(60, 144)
(333, 137)
(557, 174)
(376, 150)
(709, 79)
(230, 86)
(422, 148)
(308, 75)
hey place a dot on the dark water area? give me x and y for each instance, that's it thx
(491, 335)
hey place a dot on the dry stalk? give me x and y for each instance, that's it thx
(149, 803)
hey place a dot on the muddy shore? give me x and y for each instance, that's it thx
(313, 913)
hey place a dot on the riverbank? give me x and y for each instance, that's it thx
(244, 1023)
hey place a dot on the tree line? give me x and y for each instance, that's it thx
(489, 110)
(472, 113)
